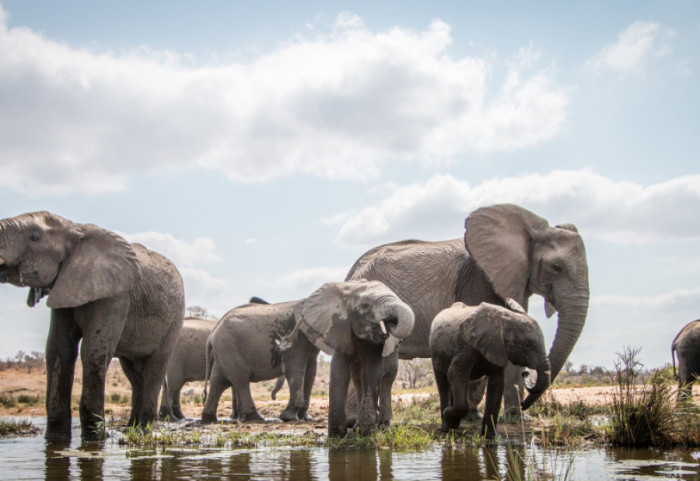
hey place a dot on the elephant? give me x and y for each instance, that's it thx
(187, 364)
(686, 345)
(114, 298)
(359, 323)
(507, 252)
(244, 347)
(468, 342)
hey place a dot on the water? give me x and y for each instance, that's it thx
(30, 458)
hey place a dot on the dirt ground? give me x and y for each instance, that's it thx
(32, 383)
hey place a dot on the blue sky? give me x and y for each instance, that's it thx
(263, 147)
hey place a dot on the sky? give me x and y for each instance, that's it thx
(264, 146)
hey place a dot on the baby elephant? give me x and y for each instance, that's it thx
(686, 346)
(468, 342)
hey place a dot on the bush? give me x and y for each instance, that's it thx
(7, 400)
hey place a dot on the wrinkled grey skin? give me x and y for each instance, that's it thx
(187, 364)
(468, 342)
(117, 299)
(507, 252)
(686, 346)
(244, 347)
(360, 323)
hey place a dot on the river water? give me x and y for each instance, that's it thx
(31, 458)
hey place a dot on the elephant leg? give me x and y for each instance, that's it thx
(177, 407)
(309, 378)
(390, 369)
(494, 395)
(513, 392)
(296, 397)
(132, 370)
(475, 393)
(166, 403)
(61, 354)
(340, 379)
(443, 386)
(371, 378)
(218, 383)
(244, 401)
(457, 378)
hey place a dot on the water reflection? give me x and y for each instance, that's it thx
(32, 458)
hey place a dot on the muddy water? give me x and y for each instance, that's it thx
(30, 458)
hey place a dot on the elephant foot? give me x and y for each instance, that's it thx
(208, 418)
(473, 415)
(451, 419)
(288, 416)
(252, 417)
(304, 415)
(337, 432)
(350, 423)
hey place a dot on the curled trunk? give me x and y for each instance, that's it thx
(543, 382)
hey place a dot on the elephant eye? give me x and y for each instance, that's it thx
(556, 268)
(35, 237)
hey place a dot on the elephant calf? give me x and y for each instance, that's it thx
(360, 323)
(244, 348)
(686, 346)
(469, 342)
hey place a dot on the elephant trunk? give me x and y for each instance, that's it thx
(543, 382)
(404, 321)
(572, 308)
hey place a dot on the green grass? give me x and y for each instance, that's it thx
(16, 427)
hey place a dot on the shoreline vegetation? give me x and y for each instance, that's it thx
(637, 408)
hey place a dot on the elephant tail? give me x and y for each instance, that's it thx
(673, 358)
(208, 361)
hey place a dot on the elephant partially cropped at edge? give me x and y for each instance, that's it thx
(112, 297)
(507, 252)
(360, 323)
(686, 345)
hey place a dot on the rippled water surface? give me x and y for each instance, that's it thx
(31, 458)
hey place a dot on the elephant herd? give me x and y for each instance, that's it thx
(461, 302)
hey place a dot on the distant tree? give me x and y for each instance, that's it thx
(414, 370)
(200, 312)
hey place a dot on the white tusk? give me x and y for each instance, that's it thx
(2, 261)
(382, 326)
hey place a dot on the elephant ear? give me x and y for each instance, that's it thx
(483, 330)
(101, 265)
(325, 318)
(499, 238)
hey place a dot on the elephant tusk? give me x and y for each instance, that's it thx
(2, 261)
(382, 326)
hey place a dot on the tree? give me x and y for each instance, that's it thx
(200, 312)
(415, 370)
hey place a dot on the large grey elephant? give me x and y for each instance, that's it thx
(686, 345)
(187, 364)
(244, 347)
(112, 297)
(360, 323)
(507, 252)
(468, 342)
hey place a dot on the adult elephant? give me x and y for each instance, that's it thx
(120, 299)
(507, 252)
(686, 345)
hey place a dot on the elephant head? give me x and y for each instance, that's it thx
(521, 255)
(73, 263)
(368, 310)
(501, 334)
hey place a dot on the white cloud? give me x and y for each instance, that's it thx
(618, 211)
(337, 104)
(182, 253)
(308, 280)
(635, 46)
(678, 299)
